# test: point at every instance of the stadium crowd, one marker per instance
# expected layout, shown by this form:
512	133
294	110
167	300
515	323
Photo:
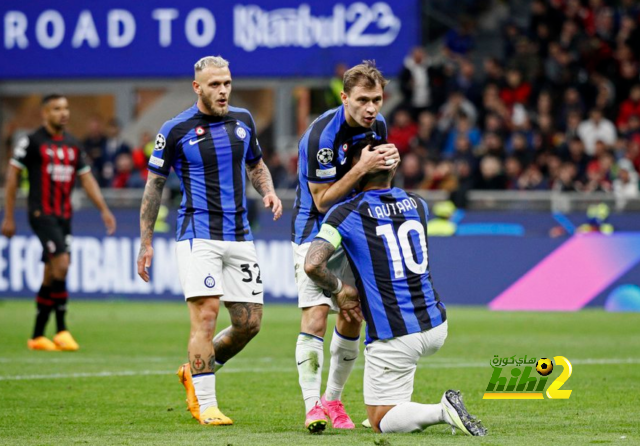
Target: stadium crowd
560	111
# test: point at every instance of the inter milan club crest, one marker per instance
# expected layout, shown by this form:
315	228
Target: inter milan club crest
241	133
209	282
199	131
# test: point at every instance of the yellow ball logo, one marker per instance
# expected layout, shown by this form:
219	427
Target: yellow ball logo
544	366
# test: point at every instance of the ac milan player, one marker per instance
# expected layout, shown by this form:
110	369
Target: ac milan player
53	159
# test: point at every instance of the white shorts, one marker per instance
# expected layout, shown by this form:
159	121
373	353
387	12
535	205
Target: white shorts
390	365
218	268
310	294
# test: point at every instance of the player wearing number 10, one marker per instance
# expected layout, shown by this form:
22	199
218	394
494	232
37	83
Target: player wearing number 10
209	146
383	232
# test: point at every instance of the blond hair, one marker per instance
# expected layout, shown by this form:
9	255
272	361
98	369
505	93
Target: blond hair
365	74
210	61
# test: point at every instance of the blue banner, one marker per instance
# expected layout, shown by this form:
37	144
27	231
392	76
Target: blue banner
471	270
164	38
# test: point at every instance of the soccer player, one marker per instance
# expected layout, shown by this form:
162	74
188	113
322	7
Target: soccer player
53	159
384	233
210	146
326	177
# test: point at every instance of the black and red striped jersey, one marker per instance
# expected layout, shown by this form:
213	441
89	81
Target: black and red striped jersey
53	163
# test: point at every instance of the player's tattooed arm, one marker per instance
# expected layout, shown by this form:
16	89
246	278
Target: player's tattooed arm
315	264
261	179
151	200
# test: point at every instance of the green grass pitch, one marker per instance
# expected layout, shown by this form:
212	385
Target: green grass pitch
121	389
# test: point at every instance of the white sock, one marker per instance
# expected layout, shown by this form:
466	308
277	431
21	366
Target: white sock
411	417
344	352
205	386
309	357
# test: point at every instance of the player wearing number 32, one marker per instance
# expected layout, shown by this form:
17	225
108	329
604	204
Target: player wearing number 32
383	231
209	146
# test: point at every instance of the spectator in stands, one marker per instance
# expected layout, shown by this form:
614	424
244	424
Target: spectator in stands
94	143
491	175
493	73
443	178
114	146
459	41
532	179
576	155
402	131
125	174
513	170
412	171
455	107
463	127
567	180
630	107
596	128
520	149
278	171
626	184
517	91
415	81
427	142
464	82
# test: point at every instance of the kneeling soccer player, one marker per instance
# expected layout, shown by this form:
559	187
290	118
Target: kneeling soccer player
384	233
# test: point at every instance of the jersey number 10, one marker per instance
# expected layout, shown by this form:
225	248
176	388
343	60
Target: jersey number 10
404	250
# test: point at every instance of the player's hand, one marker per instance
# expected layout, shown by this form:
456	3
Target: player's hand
144	261
349	303
109	221
272	201
383	157
8	227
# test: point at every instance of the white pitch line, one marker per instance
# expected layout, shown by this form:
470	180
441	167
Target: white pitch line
588	361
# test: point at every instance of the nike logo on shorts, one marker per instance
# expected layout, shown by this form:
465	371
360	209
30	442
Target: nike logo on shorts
302	362
350	359
254	293
192	142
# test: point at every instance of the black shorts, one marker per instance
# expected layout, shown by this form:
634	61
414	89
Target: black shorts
54	234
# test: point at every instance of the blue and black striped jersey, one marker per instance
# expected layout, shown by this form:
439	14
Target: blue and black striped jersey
323	153
209	153
384	233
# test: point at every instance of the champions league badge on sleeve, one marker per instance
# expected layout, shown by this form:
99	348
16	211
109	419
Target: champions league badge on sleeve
325	156
161	142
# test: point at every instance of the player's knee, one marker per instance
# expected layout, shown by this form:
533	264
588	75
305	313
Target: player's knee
60	267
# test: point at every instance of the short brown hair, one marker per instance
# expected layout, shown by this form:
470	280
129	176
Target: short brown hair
365	74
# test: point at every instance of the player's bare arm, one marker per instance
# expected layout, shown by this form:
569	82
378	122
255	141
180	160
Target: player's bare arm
315	265
262	182
11	186
151	200
325	195
245	324
90	186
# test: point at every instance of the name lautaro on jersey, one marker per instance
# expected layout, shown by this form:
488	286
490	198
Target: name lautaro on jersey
389	209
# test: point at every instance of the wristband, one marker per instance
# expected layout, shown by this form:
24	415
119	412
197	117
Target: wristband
338	287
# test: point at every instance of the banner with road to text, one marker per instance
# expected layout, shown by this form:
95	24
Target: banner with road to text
164	38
